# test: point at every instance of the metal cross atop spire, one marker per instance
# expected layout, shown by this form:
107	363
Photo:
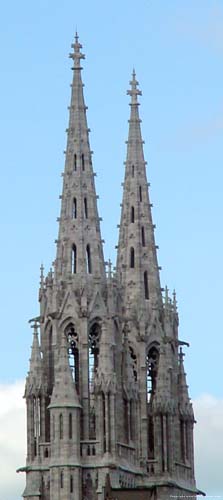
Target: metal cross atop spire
77	55
134	91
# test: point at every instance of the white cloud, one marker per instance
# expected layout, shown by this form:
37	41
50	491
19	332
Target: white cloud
208	442
12	440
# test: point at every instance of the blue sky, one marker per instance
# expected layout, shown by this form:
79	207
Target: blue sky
176	48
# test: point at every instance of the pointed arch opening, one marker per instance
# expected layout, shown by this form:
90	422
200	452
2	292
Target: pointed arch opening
133	170
83	161
85	208
146	285
132	257
61	479
143	236
61	426
132	214
73	352
152	361
75	162
93	357
88	259
74	208
70	426
140	193
74	259
71	484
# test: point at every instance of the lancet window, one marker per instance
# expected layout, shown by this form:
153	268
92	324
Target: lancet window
133	170
143	236
140	193
75	162
132	257
61	426
132	214
74	208
146	286
85	208
82	162
88	259
73	352
74	259
70	426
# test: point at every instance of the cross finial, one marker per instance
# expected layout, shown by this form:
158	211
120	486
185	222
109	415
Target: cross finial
77	55
134	91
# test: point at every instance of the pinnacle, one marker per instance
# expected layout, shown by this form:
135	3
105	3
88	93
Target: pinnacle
77	54
134	91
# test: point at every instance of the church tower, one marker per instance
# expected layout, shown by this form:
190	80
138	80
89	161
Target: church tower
108	410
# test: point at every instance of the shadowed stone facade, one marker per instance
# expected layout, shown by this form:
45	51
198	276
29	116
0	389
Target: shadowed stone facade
108	410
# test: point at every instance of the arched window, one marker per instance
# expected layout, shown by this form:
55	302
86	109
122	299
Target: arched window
88	259
61	479
93	356
133	170
73	352
132	214
85	208
74	208
143	236
61	426
71	484
132	257
146	286
70	426
82	161
75	162
140	193
152	361
74	259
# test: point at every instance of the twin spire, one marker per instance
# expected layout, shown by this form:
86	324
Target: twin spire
79	245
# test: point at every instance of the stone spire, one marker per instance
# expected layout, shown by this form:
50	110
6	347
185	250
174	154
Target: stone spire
137	265
79	246
64	391
34	377
185	406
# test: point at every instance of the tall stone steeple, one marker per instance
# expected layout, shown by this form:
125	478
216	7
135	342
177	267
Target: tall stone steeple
108	409
79	246
137	266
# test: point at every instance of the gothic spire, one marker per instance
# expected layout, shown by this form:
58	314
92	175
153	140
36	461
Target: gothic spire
185	405
34	377
79	246
137	265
